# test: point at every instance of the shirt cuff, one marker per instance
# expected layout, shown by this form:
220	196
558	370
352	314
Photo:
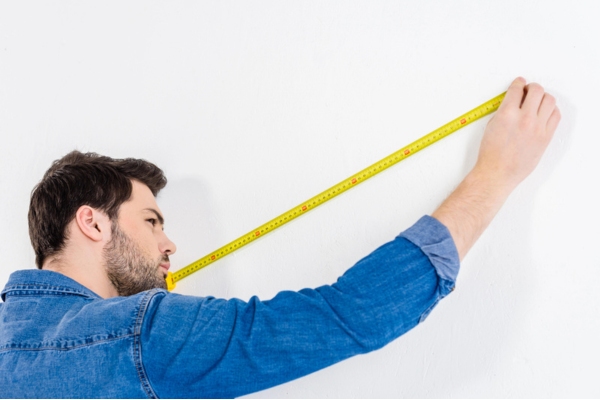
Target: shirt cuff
435	241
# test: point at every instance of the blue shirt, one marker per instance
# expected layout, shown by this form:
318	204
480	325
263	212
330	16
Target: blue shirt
59	339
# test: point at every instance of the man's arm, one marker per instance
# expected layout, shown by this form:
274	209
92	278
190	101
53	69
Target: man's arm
513	143
206	347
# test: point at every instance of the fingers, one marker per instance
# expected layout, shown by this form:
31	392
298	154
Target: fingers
532	99
514	94
547	107
542	104
534	93
553	121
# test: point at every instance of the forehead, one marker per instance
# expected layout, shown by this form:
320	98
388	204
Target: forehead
141	197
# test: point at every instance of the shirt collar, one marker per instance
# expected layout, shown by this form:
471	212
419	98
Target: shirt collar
35	280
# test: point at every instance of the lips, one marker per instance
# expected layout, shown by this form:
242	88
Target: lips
165	268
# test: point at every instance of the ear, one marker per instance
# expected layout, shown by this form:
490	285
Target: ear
93	223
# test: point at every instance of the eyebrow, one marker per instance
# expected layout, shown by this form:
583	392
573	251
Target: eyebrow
158	216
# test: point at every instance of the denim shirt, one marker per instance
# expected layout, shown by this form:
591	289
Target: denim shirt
59	339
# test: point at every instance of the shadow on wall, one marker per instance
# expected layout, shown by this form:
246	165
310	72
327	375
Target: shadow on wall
496	289
193	226
498	301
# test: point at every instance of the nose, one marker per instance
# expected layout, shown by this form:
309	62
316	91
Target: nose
167	246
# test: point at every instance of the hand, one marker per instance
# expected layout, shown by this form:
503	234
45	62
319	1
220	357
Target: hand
513	143
517	135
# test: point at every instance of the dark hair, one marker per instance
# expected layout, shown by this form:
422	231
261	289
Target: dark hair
80	179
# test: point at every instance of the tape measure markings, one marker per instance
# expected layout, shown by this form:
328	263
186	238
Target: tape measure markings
372	170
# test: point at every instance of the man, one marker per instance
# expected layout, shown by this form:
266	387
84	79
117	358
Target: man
95	320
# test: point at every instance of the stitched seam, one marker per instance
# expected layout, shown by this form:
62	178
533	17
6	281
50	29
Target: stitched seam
47	348
44	288
137	346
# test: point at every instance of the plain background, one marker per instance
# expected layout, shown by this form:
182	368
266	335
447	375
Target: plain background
253	107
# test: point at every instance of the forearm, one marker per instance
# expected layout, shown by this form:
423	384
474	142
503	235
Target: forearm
228	348
514	140
470	208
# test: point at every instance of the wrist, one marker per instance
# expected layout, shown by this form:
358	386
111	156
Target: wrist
491	182
471	207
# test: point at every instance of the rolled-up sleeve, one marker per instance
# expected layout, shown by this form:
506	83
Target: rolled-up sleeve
435	241
207	347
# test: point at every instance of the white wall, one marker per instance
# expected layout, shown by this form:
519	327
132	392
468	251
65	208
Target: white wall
253	107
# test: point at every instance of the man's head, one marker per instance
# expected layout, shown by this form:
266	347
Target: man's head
109	204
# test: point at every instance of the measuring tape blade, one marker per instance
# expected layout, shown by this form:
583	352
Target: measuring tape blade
372	170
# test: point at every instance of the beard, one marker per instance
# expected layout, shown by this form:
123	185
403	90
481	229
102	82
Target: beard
128	268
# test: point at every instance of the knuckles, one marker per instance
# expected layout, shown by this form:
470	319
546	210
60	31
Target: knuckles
551	100
535	88
528	122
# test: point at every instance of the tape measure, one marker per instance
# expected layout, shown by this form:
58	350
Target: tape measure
440	133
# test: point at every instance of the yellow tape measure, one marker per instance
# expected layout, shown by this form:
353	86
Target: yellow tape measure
440	133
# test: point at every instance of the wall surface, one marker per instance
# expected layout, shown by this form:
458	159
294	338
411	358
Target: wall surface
253	107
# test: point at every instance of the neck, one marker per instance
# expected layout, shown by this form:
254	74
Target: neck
90	275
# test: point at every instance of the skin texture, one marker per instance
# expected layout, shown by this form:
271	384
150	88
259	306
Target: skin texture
513	143
131	255
129	268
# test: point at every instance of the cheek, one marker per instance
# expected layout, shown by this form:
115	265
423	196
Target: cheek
146	241
149	244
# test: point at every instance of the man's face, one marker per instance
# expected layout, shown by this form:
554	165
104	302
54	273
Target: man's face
137	256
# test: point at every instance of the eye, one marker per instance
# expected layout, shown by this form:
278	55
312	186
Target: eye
152	221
